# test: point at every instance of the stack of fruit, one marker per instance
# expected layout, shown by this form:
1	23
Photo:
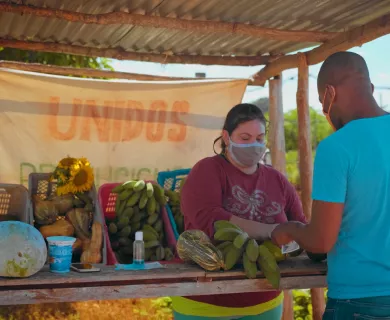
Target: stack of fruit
138	207
233	247
174	205
237	247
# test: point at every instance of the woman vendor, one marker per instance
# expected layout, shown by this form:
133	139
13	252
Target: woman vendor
233	186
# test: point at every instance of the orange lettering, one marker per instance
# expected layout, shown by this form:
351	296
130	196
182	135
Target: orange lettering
178	134
102	122
154	132
118	119
52	124
134	117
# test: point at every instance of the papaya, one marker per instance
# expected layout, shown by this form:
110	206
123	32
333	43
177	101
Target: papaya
194	245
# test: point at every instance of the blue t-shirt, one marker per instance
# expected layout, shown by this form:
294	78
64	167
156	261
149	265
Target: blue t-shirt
352	166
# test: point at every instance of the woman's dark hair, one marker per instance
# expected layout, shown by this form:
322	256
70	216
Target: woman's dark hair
240	113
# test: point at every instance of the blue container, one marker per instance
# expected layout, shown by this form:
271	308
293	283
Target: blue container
170	180
60	253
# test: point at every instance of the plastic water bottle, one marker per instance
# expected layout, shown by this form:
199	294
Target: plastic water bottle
139	248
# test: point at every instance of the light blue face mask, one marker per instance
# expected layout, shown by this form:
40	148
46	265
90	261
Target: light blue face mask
246	154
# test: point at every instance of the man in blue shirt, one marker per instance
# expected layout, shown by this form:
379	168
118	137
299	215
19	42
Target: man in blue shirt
351	194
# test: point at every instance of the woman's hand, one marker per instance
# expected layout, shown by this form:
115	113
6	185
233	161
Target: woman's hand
255	230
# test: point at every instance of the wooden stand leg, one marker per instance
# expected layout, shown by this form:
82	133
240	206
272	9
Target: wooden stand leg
288	306
306	163
318	303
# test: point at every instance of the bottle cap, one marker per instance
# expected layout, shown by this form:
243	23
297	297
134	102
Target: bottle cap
139	236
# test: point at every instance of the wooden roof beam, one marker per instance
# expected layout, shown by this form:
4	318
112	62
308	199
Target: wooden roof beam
345	41
120	54
171	23
92	73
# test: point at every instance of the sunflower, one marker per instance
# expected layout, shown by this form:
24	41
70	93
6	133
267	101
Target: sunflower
81	178
66	163
63	189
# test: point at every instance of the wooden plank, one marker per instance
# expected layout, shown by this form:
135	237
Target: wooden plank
344	41
120	54
107	274
113	292
306	162
298	266
199	26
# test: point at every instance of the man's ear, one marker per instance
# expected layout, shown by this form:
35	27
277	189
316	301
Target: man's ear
372	88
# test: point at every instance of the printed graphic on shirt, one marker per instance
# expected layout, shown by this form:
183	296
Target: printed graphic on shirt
257	205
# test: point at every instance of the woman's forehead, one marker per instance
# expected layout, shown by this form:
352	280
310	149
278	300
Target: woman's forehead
253	127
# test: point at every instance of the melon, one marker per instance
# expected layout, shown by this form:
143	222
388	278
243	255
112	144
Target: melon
23	250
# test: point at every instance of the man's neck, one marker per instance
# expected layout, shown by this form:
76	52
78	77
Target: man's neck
367	109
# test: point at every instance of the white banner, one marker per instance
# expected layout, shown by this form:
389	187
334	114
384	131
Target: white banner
126	129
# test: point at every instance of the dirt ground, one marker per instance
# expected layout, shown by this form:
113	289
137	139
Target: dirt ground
134	309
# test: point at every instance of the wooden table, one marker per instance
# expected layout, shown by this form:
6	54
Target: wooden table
172	280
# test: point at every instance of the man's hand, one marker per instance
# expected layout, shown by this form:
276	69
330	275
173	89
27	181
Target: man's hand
280	234
283	233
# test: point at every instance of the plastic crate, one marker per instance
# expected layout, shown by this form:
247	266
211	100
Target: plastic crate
40	185
107	201
14	200
170	180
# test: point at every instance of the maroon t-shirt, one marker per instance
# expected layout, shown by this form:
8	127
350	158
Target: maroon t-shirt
216	190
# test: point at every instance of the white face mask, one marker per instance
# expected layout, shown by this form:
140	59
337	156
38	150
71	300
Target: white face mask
246	154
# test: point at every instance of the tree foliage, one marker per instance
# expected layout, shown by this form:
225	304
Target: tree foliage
320	128
58	59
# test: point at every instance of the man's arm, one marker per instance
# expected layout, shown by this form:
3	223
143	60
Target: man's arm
320	235
331	170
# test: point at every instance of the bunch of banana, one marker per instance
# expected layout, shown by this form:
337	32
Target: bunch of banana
174	204
237	247
137	208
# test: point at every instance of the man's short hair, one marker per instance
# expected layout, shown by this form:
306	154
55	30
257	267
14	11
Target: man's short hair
340	66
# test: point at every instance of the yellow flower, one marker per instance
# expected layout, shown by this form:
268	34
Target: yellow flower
81	179
66	163
62	190
84	161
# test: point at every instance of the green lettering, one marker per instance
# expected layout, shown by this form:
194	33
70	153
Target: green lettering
142	170
24	176
121	174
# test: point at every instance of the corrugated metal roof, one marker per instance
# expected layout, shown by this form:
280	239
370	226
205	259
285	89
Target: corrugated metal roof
310	15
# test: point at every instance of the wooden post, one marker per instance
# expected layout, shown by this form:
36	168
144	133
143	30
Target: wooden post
278	157
276	127
306	163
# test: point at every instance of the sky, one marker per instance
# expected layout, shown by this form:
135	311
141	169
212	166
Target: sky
376	54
